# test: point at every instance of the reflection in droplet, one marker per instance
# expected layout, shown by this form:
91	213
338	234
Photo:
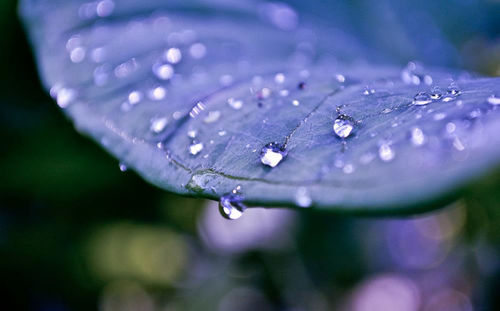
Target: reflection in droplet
385	152
343	126
158	125
302	197
272	154
295	102
235	103
195	148
231	206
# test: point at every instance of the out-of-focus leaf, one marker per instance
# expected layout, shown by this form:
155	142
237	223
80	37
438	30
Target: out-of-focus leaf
188	93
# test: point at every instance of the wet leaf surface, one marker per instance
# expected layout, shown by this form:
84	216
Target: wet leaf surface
200	99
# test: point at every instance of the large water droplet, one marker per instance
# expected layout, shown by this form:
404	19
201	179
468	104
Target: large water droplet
231	206
343	126
272	154
385	152
421	99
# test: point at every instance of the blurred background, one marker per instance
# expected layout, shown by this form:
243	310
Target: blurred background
76	233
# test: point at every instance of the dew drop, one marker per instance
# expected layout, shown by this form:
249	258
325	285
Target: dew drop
417	137
173	55
343	126
421	99
234	103
385	152
494	100
302	197
195	148
272	154
158	125
231	206
192	133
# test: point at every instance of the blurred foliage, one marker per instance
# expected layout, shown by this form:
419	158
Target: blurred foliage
78	234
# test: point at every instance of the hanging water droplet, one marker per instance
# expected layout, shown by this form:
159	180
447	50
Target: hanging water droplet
65	96
427	80
234	103
386	110
385	152
343	126
302	197
122	167
421	99
272	154
494	100
195	148
231	206
453	90
264	93
417	137
158	125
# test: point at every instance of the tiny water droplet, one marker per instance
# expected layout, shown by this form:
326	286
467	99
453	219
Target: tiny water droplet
122	167
279	78
134	97
302	197
427	80
157	93
417	137
295	102
340	78
450	127
421	99
158	125
343	126
231	206
195	148
385	152
192	133
453	90
234	103
272	154
387	110
494	100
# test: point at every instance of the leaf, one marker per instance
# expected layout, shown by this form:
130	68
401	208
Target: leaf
188	94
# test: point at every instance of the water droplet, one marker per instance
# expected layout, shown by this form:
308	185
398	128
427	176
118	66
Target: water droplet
163	71
340	78
494	100
417	137
122	167
173	55
235	104
213	116
158	93
231	206
302	197
295	102
272	154
421	99
453	90
158	125
192	133
134	97
343	126
385	152
195	148
77	55
279	78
